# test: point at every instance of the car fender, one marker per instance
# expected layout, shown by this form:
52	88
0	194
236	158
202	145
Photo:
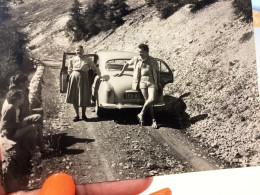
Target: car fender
102	91
95	87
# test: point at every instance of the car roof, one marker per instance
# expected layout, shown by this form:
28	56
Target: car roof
108	55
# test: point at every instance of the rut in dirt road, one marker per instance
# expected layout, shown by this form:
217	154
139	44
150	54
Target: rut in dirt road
185	150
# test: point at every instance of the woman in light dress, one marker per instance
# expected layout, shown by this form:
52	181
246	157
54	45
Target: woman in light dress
79	91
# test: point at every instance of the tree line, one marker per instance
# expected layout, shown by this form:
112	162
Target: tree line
166	8
12	46
103	15
97	16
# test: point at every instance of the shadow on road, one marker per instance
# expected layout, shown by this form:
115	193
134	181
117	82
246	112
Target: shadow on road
124	116
60	143
97	119
173	115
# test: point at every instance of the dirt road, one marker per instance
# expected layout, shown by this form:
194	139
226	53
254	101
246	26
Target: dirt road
113	148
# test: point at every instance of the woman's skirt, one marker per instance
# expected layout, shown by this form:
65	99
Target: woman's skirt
78	92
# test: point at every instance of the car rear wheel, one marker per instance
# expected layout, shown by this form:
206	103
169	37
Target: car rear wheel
99	111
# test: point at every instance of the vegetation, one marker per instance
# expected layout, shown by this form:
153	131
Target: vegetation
49	99
12	46
166	8
243	8
104	15
98	16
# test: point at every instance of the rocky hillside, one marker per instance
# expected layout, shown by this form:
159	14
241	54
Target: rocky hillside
213	55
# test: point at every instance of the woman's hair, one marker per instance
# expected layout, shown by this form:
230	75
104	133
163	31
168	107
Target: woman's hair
13	95
17	79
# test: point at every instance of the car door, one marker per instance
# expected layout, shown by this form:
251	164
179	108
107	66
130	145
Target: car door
166	74
64	77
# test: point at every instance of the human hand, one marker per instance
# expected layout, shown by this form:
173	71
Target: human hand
118	74
126	187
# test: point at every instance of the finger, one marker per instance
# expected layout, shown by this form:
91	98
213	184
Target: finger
59	183
126	187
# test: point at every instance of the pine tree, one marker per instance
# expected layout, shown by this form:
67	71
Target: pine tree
98	16
120	7
75	24
117	10
12	47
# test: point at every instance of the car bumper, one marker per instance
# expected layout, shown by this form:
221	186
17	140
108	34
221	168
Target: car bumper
123	106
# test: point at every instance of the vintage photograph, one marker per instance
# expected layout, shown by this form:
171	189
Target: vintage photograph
108	90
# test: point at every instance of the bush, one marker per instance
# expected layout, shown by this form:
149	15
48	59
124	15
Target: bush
96	17
12	50
49	97
118	9
198	5
243	8
166	7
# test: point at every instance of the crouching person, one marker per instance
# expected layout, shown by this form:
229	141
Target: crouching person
18	139
13	128
31	116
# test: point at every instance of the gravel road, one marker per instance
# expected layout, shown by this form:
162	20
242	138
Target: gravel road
113	148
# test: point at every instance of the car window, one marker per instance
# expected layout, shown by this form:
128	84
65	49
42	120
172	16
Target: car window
117	64
162	67
97	62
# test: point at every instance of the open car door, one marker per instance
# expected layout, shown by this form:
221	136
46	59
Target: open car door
166	74
64	77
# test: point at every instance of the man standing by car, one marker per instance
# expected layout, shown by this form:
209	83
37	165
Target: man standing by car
146	77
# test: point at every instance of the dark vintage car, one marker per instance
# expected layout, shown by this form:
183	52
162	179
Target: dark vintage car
110	92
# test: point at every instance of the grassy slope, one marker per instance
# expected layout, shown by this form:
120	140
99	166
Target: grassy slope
213	55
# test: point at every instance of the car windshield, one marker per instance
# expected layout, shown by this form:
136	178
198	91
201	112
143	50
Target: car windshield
117	64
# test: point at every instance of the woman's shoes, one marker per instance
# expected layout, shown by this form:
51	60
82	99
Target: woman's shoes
76	118
140	119
84	118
